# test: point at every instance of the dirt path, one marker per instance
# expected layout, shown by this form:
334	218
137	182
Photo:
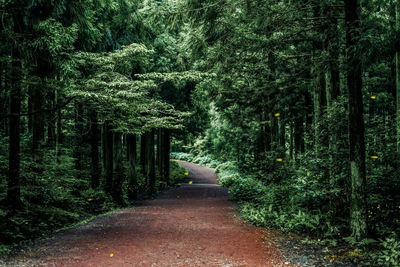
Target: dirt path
193	225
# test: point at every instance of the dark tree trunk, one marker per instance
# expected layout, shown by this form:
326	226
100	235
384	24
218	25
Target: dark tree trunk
150	163
30	97
94	151
397	78
356	122
166	154
13	181
59	137
132	173
117	169
282	133
143	162
319	97
274	131
78	151
159	157
260	151
51	119
37	123
298	137
108	148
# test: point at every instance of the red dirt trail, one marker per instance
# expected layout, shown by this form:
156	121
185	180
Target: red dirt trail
192	225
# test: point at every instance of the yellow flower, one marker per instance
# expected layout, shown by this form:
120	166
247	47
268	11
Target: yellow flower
373	157
190	182
160	182
89	199
279	159
111	255
26	222
277	114
186	173
60	187
373	97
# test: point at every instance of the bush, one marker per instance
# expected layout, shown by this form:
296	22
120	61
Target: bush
390	254
177	173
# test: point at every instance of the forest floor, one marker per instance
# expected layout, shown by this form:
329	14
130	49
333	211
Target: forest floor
191	225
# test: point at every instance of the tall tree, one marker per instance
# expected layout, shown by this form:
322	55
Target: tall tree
13	182
358	207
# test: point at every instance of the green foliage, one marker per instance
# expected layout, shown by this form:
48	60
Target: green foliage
390	253
52	199
177	173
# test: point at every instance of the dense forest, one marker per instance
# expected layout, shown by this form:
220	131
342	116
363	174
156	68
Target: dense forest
296	103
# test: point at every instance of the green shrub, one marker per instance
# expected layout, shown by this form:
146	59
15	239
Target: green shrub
177	173
390	253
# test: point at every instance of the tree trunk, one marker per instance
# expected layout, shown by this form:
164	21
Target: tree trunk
143	153
150	163
298	137
159	158
78	151
94	151
51	119
319	97
13	181
166	154
117	169
132	174
108	148
59	137
282	133
37	123
397	62
358	209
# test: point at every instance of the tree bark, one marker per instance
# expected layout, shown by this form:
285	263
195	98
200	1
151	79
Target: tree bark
59	137
397	62
160	154
94	151
358	206
132	172
118	171
298	137
143	153
150	163
51	119
78	150
13	181
319	97
108	160
166	154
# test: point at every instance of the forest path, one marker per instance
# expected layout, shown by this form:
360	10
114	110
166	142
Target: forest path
192	225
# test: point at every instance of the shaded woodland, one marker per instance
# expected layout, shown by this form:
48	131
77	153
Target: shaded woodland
296	103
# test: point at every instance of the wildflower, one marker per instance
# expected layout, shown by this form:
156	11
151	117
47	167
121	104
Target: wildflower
373	157
279	159
89	199
190	182
160	182
26	222
277	114
186	173
373	97
111	255
60	187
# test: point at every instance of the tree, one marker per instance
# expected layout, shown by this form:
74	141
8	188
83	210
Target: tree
358	208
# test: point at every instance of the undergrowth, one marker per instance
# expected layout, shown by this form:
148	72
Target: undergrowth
55	197
306	203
